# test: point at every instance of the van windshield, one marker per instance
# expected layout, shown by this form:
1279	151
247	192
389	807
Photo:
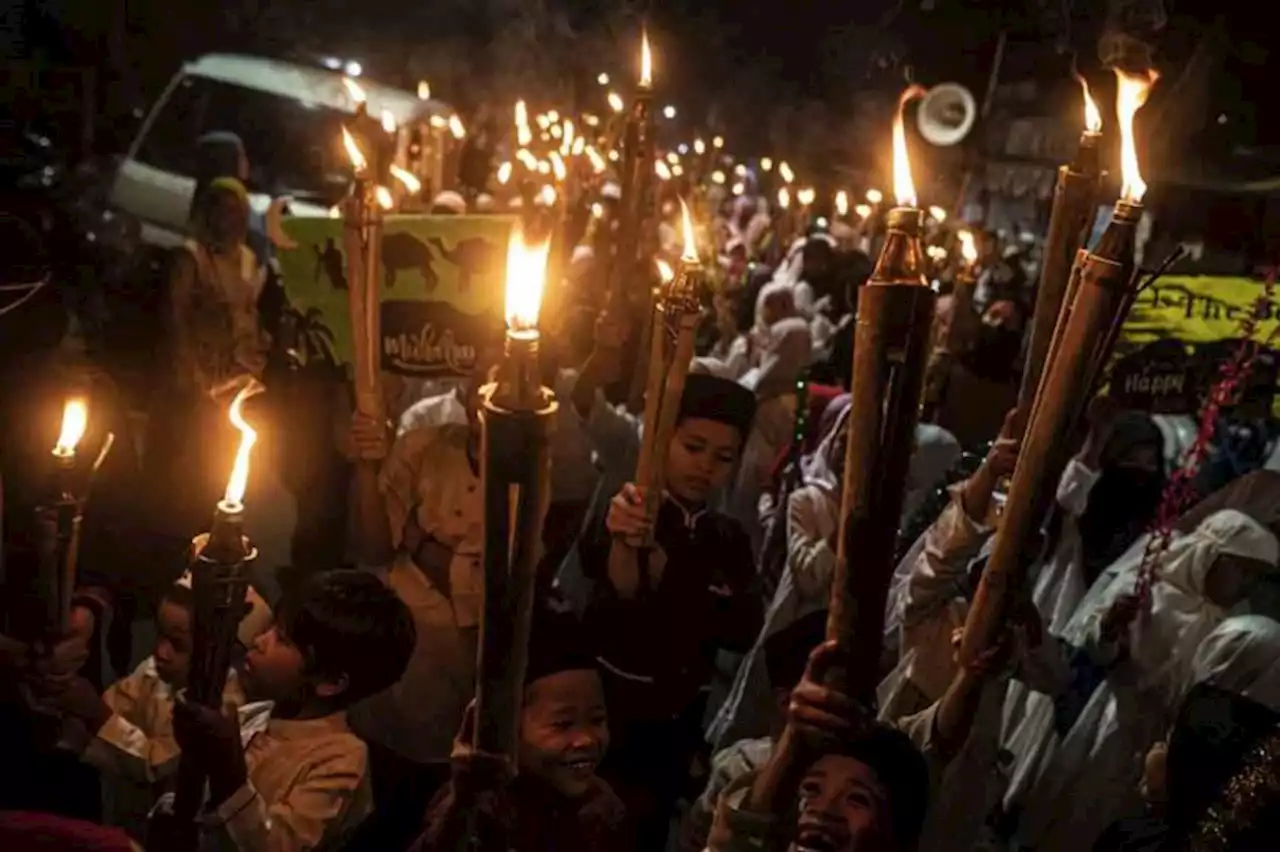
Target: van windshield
294	148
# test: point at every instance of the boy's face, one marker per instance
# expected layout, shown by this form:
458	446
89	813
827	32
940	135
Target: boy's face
701	458
564	731
274	669
843	808
173	643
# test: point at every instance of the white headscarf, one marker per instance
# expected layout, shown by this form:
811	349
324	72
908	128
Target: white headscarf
1243	656
1181	616
823	469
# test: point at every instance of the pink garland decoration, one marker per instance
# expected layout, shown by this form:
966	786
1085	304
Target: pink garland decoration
1178	492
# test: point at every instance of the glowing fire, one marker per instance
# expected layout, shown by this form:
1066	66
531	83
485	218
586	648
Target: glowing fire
646	61
567	144
842	203
408	178
937	213
526	274
598	164
504	173
1092	115
354	90
75	419
358	162
665	272
615	102
233	497
388	121
424	90
875	196
662	170
904	188
1131	93
690	253
968	246
699	147
547	195
785	171
523	134
456	127
806	196
784	198
863	210
385	201
558	166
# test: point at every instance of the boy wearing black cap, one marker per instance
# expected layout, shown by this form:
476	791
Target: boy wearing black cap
556	801
658	616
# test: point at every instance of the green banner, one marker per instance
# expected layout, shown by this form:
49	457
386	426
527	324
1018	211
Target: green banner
441	293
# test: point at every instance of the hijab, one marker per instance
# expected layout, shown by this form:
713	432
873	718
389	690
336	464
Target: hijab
824	469
1180	615
1242	655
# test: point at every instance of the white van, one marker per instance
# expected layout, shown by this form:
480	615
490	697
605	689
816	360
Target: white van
289	117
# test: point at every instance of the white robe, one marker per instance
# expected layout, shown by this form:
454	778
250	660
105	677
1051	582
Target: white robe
1071	788
1242	655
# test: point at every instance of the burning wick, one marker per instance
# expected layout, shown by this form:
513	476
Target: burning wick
358	162
665	272
407	178
689	257
968	247
904	188
526	273
1131	93
75	419
1092	116
385	201
233	498
646	62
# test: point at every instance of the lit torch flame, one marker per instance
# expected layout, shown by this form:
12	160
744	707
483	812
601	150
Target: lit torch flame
785	170
75	419
557	165
526	274
233	497
566	145
646	61
784	198
1131	93
354	90
842	203
665	272
968	246
863	210
456	127
424	90
358	162
406	177
385	201
615	102
662	170
806	196
904	188
388	121
690	253
1092	115
598	164
504	173
523	134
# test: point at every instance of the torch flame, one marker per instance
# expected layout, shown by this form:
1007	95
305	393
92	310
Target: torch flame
408	178
665	271
424	90
784	198
75	419
504	173
388	121
597	162
557	165
234	495
806	196
354	90
522	114
385	201
358	162
456	127
785	170
615	102
699	147
566	146
662	170
863	210
1131	93
526	273
904	188
1092	115
646	61
968	246
842	203
690	253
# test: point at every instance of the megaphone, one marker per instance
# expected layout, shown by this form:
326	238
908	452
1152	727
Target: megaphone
947	114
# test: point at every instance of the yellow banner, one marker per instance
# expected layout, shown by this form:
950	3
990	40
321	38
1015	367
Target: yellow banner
1196	309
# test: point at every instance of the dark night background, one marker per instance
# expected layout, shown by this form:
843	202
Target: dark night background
805	79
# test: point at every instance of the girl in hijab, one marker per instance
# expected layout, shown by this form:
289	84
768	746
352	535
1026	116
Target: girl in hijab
1075	773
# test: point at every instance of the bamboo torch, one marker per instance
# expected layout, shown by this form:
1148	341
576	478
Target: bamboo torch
637	177
895	314
675	321
59	518
516	421
362	245
1102	292
1071	218
221	559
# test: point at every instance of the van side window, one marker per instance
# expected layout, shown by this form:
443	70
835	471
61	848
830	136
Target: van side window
170	142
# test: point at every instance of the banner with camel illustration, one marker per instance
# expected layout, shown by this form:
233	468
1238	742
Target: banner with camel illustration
442	290
1179	332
